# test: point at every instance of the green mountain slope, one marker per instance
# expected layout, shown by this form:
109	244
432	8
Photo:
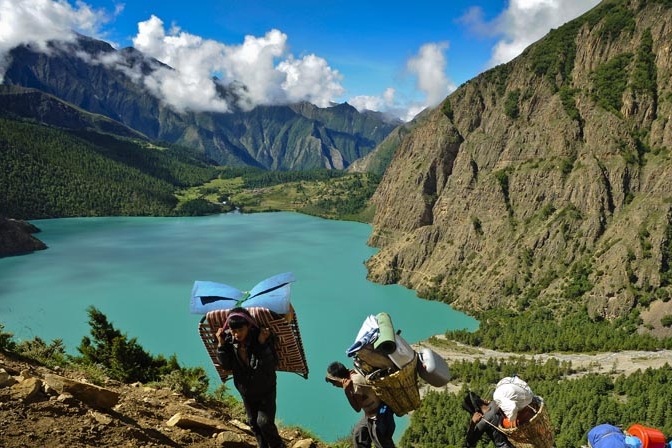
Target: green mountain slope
54	173
284	137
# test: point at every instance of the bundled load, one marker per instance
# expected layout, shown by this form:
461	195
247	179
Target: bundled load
391	366
268	302
527	424
606	435
610	436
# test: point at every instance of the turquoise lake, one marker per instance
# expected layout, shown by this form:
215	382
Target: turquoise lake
140	271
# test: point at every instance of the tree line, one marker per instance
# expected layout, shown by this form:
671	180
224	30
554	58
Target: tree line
49	173
575	403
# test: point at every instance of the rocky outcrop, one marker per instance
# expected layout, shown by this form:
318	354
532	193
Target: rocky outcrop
45	407
16	238
539	182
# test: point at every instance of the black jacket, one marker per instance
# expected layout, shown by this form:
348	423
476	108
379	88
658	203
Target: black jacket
257	377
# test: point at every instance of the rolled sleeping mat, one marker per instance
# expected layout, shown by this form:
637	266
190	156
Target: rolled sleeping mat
386	341
277	300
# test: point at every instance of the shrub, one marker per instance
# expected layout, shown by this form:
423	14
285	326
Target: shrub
48	354
190	382
666	321
511	108
7	344
124	359
610	81
447	109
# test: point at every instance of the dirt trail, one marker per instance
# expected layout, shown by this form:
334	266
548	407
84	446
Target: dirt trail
612	363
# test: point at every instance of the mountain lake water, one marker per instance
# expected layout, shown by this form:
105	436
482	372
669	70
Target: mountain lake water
139	272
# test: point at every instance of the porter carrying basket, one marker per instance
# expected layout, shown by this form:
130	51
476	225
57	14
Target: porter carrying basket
535	433
399	390
286	336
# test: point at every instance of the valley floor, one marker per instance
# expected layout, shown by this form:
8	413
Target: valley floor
611	363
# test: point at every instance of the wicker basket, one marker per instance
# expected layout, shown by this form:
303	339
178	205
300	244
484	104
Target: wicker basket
399	390
536	433
285	328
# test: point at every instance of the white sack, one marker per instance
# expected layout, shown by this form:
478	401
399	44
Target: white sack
511	395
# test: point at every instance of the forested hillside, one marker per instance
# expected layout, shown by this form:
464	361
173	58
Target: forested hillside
81	73
49	173
575	402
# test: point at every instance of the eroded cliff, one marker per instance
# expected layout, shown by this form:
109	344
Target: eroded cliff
544	179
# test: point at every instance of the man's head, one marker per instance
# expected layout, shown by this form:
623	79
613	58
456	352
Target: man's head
473	403
336	372
239	322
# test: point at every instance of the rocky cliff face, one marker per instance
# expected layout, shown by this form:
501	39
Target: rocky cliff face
16	238
545	179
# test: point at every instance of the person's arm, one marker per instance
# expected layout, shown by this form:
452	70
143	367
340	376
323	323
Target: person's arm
225	352
474	432
262	355
349	389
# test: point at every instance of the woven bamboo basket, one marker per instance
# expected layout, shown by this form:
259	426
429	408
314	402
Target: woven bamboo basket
399	390
285	328
536	433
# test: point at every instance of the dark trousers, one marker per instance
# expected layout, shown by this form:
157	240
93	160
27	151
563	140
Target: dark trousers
377	432
261	418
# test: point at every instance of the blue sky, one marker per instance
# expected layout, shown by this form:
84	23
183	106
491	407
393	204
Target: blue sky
388	56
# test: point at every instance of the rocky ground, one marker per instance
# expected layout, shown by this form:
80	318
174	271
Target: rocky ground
43	408
47	408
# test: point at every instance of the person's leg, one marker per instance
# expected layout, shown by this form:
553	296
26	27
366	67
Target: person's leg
252	411
361	435
266	421
383	428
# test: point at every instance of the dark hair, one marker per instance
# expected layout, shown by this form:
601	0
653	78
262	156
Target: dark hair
338	370
236	322
472	402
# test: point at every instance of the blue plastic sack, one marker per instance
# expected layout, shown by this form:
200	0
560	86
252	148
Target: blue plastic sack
606	436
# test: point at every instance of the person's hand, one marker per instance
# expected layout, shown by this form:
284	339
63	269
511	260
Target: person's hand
222	336
476	417
264	334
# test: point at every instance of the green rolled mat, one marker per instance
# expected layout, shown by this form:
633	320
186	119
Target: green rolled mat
385	342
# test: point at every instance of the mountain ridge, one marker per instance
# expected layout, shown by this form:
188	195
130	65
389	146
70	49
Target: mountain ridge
95	77
540	181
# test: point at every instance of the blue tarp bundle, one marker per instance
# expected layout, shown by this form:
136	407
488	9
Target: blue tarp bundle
272	293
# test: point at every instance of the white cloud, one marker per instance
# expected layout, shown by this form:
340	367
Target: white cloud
524	22
370	102
310	79
260	68
428	67
257	64
36	22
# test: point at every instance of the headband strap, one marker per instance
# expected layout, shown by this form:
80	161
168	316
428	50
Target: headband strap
251	321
